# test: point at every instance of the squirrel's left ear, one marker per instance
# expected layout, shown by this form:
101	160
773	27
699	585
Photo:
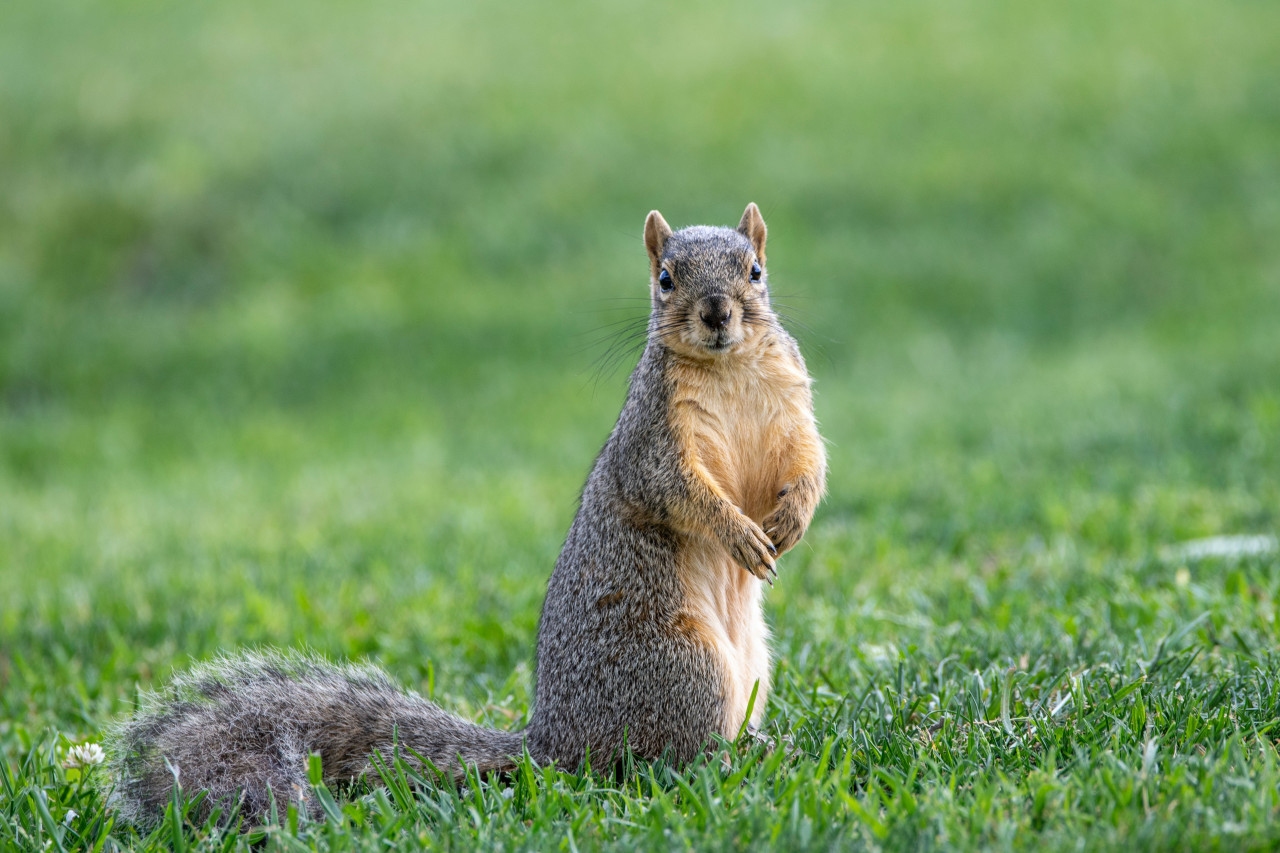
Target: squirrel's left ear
752	227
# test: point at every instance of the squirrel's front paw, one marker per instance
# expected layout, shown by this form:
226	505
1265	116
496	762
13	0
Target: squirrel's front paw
751	549
784	526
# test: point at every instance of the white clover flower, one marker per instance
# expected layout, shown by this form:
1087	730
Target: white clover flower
84	755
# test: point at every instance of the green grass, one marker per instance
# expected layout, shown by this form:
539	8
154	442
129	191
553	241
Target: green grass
300	314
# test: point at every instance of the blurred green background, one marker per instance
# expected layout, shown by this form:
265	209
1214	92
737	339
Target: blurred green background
302	305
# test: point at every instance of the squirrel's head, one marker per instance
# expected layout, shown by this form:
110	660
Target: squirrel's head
709	286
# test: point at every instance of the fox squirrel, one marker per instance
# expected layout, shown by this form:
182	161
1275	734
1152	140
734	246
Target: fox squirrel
652	636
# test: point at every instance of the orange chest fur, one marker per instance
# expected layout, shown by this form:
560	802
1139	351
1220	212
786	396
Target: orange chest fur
740	421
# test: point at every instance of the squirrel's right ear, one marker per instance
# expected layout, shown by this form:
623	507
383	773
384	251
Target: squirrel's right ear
656	234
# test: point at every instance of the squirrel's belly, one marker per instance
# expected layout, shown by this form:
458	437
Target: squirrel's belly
725	601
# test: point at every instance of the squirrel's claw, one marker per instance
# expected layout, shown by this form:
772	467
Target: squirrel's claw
752	549
784	531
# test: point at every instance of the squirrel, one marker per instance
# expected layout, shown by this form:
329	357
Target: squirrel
652	637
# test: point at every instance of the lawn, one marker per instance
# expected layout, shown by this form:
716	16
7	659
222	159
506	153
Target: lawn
306	315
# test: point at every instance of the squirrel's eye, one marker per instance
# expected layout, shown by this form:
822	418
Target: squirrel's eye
665	282
755	271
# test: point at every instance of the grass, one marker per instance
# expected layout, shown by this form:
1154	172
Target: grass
300	314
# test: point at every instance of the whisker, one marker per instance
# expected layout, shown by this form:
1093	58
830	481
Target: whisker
623	339
773	294
636	325
607	365
629	321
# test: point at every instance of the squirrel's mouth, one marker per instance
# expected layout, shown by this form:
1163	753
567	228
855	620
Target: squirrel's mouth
721	342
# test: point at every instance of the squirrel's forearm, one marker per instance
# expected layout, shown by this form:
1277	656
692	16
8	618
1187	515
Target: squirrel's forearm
807	481
668	482
802	489
701	505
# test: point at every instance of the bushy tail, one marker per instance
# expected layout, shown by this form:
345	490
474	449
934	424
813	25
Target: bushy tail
241	727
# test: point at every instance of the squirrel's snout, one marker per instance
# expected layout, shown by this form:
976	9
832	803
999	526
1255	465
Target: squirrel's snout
716	312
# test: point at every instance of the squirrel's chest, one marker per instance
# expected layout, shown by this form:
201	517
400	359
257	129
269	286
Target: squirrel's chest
742	429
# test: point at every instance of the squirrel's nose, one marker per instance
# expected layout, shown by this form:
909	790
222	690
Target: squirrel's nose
717	313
